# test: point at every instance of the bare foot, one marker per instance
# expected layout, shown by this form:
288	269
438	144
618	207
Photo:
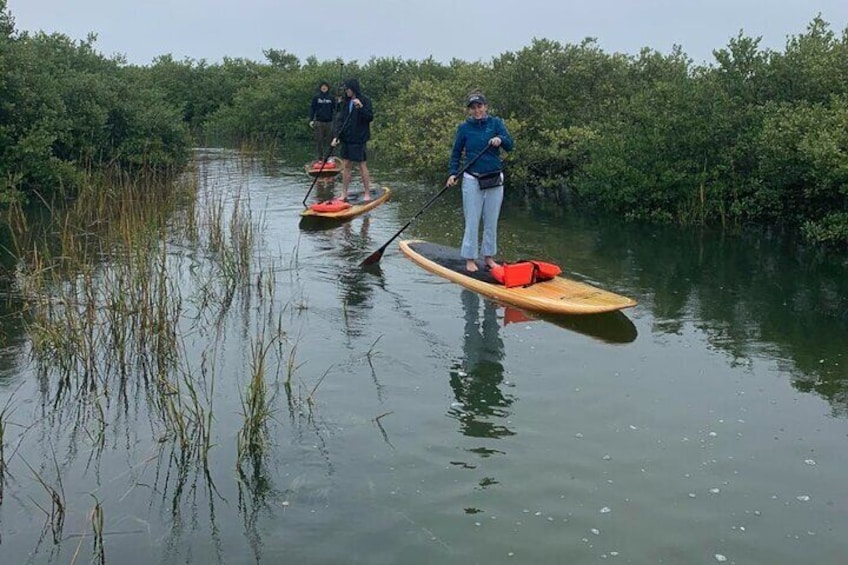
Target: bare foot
367	196
490	262
471	265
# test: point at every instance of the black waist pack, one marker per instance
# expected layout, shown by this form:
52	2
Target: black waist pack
488	180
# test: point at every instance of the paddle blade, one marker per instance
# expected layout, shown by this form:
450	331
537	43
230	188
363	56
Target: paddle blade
373	258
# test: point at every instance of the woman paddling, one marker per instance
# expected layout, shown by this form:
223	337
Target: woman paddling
482	183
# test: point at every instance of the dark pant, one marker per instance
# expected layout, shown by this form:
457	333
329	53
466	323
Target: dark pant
323	137
354	152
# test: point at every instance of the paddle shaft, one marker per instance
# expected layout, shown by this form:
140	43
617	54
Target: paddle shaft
377	255
323	163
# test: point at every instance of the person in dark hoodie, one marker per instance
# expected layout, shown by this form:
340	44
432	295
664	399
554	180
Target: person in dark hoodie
321	119
482	183
353	131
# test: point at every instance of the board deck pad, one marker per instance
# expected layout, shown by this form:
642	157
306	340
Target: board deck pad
559	295
449	258
358	198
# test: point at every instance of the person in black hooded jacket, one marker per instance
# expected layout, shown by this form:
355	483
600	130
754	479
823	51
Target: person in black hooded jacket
353	130
321	118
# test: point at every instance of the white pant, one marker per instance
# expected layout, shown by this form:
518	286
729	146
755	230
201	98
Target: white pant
478	203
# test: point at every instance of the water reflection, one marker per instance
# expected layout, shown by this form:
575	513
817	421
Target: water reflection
357	285
752	294
325	189
610	327
741	298
12	336
345	242
477	378
256	492
184	487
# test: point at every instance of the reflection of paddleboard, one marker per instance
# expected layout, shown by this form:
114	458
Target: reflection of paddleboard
556	296
609	327
357	206
515	316
331	168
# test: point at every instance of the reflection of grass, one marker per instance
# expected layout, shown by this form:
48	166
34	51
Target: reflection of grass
4	425
96	519
55	517
97	531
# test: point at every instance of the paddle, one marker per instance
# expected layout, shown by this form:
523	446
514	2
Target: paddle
377	255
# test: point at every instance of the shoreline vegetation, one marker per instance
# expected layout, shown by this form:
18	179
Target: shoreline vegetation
756	137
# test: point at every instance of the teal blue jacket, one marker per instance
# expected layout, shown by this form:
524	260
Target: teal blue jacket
472	137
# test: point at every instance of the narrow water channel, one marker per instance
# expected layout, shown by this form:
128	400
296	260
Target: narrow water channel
416	422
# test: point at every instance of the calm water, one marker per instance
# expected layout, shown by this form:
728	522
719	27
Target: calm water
427	425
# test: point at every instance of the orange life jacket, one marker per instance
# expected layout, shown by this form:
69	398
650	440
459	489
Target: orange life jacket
524	273
329	165
335	205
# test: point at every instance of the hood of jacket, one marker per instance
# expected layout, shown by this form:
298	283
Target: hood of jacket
353	84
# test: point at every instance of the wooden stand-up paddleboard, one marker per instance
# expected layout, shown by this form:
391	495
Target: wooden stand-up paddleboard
357	205
556	296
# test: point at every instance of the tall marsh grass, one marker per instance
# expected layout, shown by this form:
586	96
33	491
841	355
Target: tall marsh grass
127	298
104	306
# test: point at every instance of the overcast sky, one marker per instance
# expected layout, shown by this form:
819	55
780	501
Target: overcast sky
415	29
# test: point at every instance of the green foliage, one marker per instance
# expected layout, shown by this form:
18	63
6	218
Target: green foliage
199	88
272	108
418	131
272	111
550	85
812	68
831	230
67	113
281	59
545	164
757	136
386	79
146	132
7	22
803	159
647	158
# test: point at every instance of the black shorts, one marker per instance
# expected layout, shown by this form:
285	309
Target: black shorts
353	152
